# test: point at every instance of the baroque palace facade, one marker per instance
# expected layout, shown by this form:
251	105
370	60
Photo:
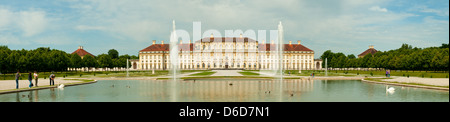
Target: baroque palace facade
227	53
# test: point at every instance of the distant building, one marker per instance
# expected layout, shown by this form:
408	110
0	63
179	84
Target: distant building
371	50
81	52
227	53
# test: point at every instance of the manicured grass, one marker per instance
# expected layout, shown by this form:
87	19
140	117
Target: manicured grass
227	77
206	73
246	73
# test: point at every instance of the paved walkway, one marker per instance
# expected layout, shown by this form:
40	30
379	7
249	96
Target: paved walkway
227	73
11	84
428	81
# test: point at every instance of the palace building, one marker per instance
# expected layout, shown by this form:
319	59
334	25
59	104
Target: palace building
227	53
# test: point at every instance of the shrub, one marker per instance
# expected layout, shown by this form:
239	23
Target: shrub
407	75
81	75
371	73
357	73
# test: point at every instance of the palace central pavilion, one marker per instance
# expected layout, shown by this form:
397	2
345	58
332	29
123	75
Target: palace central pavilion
227	53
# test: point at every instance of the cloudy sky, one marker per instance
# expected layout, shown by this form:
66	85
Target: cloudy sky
347	26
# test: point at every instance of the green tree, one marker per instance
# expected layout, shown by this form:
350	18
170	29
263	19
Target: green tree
3	61
329	55
89	61
105	61
13	60
75	61
351	56
58	60
114	54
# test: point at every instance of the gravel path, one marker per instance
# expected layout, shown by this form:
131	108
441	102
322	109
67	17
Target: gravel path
227	73
428	81
11	84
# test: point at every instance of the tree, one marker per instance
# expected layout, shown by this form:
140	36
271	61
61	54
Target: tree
3	61
351	56
114	54
58	60
444	46
105	61
329	55
75	61
89	61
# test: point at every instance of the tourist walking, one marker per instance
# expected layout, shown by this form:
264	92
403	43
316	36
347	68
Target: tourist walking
17	79
388	73
52	79
30	78
36	76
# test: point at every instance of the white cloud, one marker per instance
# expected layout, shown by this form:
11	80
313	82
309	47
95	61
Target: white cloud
378	8
5	16
85	27
32	22
28	23
439	12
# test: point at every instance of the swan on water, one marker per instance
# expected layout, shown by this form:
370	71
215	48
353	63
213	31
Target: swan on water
61	86
390	89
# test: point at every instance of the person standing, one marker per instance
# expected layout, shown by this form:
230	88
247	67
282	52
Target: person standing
17	79
30	78
36	76
388	73
52	79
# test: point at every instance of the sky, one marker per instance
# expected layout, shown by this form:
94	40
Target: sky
347	26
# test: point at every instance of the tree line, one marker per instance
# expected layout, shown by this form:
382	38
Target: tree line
404	58
45	60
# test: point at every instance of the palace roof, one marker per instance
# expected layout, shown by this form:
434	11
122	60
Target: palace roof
81	52
261	47
370	50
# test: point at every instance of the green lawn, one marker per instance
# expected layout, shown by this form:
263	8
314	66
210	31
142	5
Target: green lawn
205	73
247	73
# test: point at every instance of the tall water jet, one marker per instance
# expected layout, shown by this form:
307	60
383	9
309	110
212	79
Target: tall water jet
280	48
174	61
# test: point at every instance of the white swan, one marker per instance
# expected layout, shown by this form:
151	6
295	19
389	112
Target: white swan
61	86
390	89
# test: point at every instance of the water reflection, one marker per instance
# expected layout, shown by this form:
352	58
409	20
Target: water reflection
228	90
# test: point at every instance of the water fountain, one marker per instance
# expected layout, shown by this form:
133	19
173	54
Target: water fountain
174	65
280	48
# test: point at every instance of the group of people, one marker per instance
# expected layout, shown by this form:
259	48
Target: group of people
36	77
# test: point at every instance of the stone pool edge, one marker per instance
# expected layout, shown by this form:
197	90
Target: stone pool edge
47	87
407	85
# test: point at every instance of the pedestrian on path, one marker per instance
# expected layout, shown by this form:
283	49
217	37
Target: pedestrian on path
30	78
17	79
52	79
36	76
388	73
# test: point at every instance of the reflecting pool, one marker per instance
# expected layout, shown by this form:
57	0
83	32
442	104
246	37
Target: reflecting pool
229	90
